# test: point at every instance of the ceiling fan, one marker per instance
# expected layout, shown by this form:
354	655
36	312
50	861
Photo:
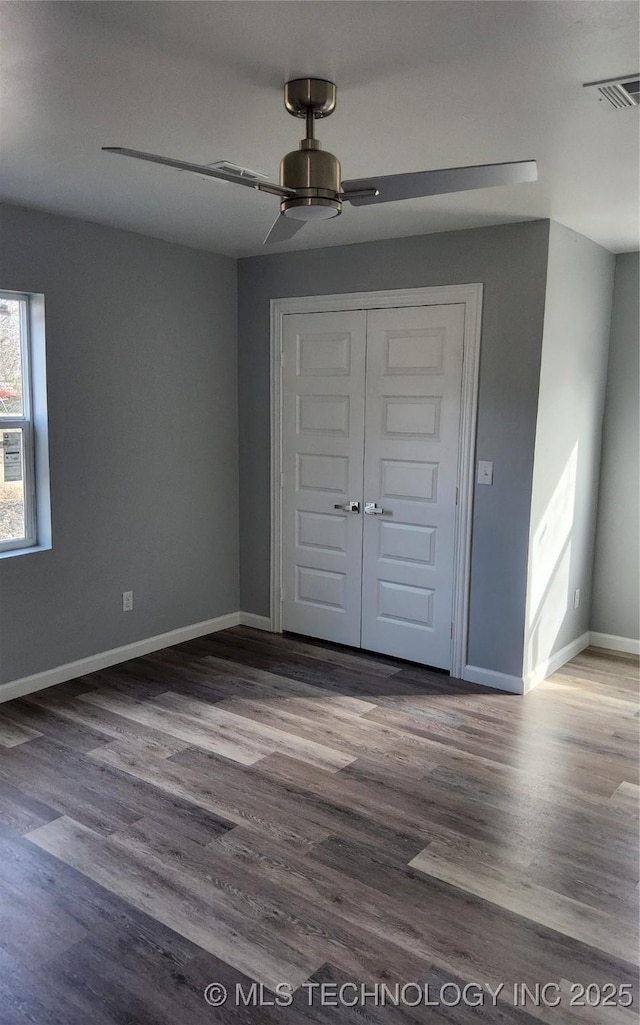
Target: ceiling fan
310	187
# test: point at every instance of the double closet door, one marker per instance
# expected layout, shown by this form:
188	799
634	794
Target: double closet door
371	411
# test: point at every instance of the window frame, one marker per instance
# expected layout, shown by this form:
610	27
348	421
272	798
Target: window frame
25	423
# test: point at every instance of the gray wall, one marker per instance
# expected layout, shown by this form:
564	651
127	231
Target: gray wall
142	386
573	377
615	593
511	262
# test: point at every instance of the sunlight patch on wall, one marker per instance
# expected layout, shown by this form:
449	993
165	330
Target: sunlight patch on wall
549	597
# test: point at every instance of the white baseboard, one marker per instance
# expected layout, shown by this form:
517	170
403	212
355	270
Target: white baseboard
550	665
257	622
489	678
626	644
104	659
472	674
523	684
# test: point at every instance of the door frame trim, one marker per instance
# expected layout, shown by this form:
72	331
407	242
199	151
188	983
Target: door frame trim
471	296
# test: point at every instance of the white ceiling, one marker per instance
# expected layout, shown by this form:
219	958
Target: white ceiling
420	85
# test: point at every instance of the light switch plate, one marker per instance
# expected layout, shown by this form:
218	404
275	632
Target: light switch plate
485	472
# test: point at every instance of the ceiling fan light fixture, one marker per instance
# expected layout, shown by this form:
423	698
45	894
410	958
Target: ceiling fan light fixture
313	209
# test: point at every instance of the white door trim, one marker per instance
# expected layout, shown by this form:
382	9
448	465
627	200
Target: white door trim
471	296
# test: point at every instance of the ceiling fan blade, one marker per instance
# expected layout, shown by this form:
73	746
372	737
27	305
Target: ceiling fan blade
417	184
283	228
210	172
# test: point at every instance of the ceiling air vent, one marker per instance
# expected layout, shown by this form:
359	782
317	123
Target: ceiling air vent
228	168
243	172
619	92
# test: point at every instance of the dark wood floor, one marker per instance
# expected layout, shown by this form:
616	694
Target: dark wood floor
251	808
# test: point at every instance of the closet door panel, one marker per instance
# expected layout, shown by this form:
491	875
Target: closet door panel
413	384
323	445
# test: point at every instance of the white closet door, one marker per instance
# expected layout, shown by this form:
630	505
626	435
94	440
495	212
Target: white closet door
413	378
323	443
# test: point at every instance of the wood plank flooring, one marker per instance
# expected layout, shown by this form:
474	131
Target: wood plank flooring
247	808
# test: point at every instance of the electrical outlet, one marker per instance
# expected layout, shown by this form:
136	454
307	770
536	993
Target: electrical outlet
127	601
576	598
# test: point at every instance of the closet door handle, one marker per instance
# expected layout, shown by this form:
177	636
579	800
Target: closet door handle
373	509
349	507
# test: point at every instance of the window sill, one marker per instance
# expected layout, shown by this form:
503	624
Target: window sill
24	551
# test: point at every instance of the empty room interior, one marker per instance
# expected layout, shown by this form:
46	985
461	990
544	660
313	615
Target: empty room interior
319	530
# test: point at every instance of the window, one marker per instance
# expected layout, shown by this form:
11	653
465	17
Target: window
18	506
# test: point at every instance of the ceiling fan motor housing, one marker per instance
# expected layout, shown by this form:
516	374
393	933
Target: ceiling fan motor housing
315	175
